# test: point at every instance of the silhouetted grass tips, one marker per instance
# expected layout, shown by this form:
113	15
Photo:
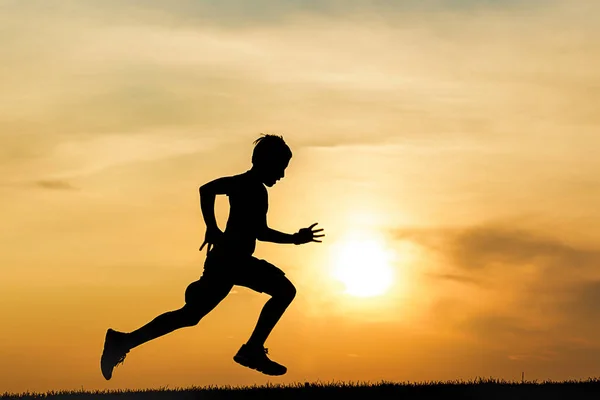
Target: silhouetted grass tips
475	389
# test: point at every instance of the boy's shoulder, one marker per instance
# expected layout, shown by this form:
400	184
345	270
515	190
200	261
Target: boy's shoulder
245	181
240	178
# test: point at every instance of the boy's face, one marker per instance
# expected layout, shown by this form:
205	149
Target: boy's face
274	172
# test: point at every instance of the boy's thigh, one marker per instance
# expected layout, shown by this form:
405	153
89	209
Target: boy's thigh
212	287
259	275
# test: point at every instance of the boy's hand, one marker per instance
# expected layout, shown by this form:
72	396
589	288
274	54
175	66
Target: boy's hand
212	237
306	235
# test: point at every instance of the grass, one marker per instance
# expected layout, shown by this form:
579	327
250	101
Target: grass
476	389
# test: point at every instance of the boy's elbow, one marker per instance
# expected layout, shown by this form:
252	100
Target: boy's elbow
204	189
263	234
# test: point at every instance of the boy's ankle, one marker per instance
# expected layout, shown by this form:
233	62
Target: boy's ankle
126	341
254	346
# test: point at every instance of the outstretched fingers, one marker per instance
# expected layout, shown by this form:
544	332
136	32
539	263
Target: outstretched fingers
310	228
314	238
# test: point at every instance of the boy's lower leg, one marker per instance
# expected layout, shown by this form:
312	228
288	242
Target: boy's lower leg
198	304
253	354
163	324
269	316
118	344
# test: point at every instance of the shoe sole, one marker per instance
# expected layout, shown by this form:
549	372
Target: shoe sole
243	361
108	374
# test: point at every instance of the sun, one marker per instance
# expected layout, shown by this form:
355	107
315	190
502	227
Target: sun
364	266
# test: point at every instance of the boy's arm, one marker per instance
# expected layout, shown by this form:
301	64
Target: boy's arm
304	235
271	235
208	193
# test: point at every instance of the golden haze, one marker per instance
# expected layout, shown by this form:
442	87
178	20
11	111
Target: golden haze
463	138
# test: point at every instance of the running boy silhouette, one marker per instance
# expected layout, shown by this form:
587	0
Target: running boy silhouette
229	262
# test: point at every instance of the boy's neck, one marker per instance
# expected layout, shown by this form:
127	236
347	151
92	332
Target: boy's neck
254	174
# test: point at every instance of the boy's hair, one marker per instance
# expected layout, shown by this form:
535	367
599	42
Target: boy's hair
269	148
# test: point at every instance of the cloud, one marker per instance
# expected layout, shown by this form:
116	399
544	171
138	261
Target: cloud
493	325
527	292
239	14
479	248
579	305
537	272
96	153
55	185
324	73
456	278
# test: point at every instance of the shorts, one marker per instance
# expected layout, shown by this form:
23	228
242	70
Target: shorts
223	271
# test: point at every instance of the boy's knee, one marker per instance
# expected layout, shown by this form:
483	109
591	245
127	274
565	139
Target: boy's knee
190	316
288	292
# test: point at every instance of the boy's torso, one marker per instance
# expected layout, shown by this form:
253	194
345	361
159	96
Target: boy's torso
248	201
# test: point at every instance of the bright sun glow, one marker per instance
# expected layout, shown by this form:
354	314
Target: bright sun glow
364	266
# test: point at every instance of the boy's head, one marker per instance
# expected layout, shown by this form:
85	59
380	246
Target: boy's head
270	158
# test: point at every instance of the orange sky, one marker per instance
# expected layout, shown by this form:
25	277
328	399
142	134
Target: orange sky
460	138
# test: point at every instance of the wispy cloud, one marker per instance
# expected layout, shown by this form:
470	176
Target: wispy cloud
533	290
480	248
55	185
137	73
456	278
